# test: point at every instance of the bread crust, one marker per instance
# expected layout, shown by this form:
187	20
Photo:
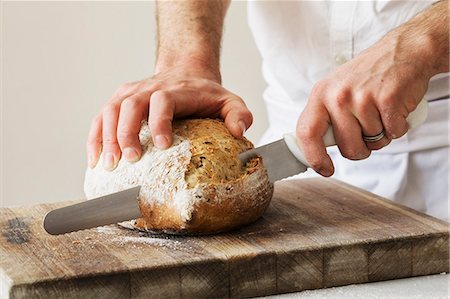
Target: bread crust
209	192
224	206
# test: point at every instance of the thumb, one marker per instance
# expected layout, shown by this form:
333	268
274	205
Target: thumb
237	117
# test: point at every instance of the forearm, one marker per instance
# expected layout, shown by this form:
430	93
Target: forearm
425	38
189	33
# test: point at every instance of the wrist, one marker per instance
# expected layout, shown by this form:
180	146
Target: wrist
421	49
194	64
425	39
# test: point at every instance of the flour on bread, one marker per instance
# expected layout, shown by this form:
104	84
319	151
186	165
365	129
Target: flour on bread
161	173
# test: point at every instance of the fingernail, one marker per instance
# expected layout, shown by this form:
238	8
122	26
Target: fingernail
326	172
243	127
109	162
130	154
161	141
363	154
91	161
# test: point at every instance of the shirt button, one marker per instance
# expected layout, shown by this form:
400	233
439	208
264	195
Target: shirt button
340	59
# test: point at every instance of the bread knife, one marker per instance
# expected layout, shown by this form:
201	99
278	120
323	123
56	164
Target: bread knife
283	158
104	210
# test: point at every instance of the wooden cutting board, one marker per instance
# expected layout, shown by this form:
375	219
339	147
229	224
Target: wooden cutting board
317	233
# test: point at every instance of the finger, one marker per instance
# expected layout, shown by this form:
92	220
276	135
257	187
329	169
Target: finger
162	109
371	125
111	149
237	117
94	141
132	111
394	122
348	134
311	127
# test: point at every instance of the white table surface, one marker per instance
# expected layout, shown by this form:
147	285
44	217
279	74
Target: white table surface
423	287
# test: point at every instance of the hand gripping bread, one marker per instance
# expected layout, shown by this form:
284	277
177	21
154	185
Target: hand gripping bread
197	186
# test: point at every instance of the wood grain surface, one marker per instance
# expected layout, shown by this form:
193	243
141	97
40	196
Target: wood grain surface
317	233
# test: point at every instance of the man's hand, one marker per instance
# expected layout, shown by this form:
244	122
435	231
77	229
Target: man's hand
375	91
187	83
175	93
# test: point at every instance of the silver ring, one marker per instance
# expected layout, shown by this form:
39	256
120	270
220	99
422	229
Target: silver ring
375	138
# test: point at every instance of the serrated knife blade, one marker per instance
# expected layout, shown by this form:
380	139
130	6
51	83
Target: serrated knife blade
277	158
104	210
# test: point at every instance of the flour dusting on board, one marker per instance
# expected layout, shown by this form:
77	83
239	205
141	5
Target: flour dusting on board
172	244
126	240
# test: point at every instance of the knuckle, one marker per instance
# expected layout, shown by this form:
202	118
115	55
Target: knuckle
141	85
203	83
387	101
160	95
238	102
308	128
130	103
395	133
109	140
318	88
410	106
306	132
110	107
364	100
395	125
343	98
123	89
163	119
239	99
158	121
182	84
125	134
155	85
352	153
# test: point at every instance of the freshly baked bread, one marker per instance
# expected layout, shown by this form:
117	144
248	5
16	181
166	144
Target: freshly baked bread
197	186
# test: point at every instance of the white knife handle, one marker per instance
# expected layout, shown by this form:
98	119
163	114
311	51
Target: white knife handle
414	119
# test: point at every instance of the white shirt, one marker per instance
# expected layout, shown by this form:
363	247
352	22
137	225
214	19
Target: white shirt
302	41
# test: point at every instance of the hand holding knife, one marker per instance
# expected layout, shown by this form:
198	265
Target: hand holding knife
283	158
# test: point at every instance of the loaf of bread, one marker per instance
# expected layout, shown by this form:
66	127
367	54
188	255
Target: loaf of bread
197	186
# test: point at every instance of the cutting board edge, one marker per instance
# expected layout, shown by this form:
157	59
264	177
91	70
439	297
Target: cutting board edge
123	279
365	244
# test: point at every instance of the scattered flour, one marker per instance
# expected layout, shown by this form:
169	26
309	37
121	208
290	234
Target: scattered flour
173	244
109	230
120	238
